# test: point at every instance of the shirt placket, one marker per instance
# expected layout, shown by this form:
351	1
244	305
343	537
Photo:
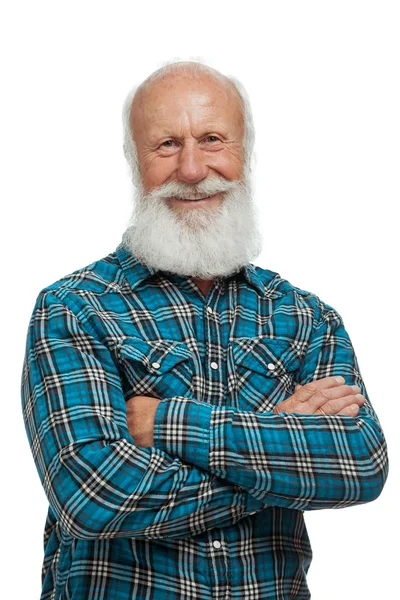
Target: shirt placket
213	342
219	557
215	390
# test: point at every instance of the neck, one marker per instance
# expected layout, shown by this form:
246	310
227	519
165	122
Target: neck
204	284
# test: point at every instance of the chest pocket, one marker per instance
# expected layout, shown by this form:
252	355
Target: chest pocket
158	368
264	372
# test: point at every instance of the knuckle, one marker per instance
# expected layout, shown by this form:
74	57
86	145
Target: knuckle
310	387
306	392
329	408
324	394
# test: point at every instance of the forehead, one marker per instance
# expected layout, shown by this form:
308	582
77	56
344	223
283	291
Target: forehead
178	102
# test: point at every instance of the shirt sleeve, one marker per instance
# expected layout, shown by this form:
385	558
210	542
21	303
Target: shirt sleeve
98	483
290	460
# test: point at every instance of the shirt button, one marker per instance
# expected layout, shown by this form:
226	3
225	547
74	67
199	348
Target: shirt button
210	310
155	365
217	544
214	365
271	366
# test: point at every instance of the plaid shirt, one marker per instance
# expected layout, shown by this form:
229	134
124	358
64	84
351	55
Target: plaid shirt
215	508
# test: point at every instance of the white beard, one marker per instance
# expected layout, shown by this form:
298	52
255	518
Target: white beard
203	242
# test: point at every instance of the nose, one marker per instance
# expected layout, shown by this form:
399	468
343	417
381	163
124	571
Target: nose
191	163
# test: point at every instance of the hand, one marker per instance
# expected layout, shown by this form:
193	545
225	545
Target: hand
326	396
140	412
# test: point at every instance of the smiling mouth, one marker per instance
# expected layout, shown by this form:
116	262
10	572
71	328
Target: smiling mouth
196	199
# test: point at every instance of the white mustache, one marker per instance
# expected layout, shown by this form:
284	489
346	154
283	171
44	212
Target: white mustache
185	191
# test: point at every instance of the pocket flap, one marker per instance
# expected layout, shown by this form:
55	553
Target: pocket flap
157	356
266	356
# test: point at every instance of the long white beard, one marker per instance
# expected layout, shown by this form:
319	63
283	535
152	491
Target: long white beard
203	242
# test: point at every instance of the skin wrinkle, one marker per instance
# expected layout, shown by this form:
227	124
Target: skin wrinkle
191	111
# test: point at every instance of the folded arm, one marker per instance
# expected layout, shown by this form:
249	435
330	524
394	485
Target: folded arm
97	481
298	461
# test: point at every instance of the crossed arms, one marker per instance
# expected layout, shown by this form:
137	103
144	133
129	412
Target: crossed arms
327	396
209	467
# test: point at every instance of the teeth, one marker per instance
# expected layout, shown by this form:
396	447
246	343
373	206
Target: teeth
195	198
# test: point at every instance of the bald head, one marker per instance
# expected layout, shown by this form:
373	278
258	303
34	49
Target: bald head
191	71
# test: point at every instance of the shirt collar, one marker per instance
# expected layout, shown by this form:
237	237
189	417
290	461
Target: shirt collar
136	272
253	278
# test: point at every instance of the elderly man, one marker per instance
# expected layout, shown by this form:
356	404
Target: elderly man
185	407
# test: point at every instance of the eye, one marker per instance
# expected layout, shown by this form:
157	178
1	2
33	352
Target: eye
212	138
167	143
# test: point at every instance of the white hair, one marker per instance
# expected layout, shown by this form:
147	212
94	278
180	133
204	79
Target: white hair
196	66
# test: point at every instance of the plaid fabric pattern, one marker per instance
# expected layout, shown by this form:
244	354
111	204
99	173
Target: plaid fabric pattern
215	508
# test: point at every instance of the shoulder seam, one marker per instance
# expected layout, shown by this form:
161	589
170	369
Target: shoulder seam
84	323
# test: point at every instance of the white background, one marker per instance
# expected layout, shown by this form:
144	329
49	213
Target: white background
323	78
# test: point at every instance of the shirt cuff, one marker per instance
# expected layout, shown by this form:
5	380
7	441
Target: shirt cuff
182	428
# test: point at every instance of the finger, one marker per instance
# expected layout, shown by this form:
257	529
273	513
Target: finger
333	407
328	382
322	396
339	392
312	387
350	411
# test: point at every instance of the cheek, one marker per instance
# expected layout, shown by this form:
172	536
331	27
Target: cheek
156	171
230	165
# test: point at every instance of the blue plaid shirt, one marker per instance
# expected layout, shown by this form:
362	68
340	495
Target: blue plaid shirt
215	508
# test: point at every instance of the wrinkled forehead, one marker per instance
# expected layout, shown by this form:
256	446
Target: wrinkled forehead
176	96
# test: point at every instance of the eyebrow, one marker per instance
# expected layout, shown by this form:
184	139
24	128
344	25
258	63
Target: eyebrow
154	139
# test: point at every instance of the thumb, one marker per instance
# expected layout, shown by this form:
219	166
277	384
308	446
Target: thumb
298	386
